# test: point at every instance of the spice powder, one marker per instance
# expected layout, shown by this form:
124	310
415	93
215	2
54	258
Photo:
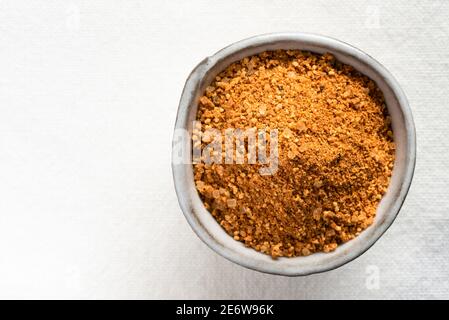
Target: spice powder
336	152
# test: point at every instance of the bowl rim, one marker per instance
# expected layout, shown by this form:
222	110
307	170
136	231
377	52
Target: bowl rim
192	84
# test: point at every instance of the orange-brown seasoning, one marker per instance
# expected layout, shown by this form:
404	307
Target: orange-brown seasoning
336	152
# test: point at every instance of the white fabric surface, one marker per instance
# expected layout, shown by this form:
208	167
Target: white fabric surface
88	97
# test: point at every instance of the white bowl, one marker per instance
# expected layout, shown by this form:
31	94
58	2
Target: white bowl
206	227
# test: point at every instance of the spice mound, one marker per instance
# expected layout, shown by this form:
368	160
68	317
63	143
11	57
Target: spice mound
335	152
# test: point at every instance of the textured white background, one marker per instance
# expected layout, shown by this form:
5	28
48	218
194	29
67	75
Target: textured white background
88	98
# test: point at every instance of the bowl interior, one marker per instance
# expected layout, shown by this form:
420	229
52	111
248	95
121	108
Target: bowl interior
206	226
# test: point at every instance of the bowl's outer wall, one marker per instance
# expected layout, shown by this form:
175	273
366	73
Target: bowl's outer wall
205	225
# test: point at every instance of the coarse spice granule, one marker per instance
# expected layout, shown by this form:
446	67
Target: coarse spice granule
336	152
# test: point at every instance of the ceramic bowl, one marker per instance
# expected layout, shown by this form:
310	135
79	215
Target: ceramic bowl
202	221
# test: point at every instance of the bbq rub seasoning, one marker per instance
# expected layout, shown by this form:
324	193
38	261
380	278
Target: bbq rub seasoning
334	152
